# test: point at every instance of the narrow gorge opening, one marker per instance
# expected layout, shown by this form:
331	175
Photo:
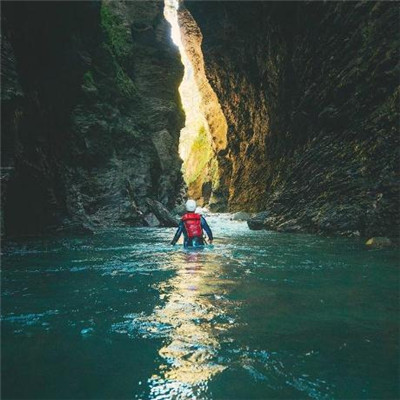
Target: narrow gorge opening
204	135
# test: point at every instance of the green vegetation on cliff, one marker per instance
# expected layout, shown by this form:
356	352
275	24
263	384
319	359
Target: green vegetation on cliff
118	34
118	46
199	156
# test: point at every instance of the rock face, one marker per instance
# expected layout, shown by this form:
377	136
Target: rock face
90	114
310	94
206	166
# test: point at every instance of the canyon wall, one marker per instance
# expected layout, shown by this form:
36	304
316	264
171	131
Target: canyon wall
90	114
211	186
310	92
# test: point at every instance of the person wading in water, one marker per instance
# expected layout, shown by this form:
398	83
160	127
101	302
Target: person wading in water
192	225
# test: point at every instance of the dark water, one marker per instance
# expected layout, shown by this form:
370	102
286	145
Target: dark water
261	315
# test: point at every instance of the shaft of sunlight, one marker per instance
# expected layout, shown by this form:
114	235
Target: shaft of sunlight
188	90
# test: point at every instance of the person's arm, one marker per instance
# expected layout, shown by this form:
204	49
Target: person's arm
177	234
205	226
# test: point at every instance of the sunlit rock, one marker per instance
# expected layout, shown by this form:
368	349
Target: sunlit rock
203	139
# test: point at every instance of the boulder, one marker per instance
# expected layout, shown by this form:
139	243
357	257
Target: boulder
379	242
241	216
163	215
151	220
257	222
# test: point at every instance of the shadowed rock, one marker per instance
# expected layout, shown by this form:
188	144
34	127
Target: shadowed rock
162	214
91	117
258	221
310	95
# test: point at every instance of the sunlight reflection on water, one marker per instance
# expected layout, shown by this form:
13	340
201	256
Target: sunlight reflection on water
190	353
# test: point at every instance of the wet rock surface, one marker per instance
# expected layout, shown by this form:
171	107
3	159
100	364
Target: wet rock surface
90	114
259	221
161	213
309	93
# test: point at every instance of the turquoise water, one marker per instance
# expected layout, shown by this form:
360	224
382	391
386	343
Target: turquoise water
264	315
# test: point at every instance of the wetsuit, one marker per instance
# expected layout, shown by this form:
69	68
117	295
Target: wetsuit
192	225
